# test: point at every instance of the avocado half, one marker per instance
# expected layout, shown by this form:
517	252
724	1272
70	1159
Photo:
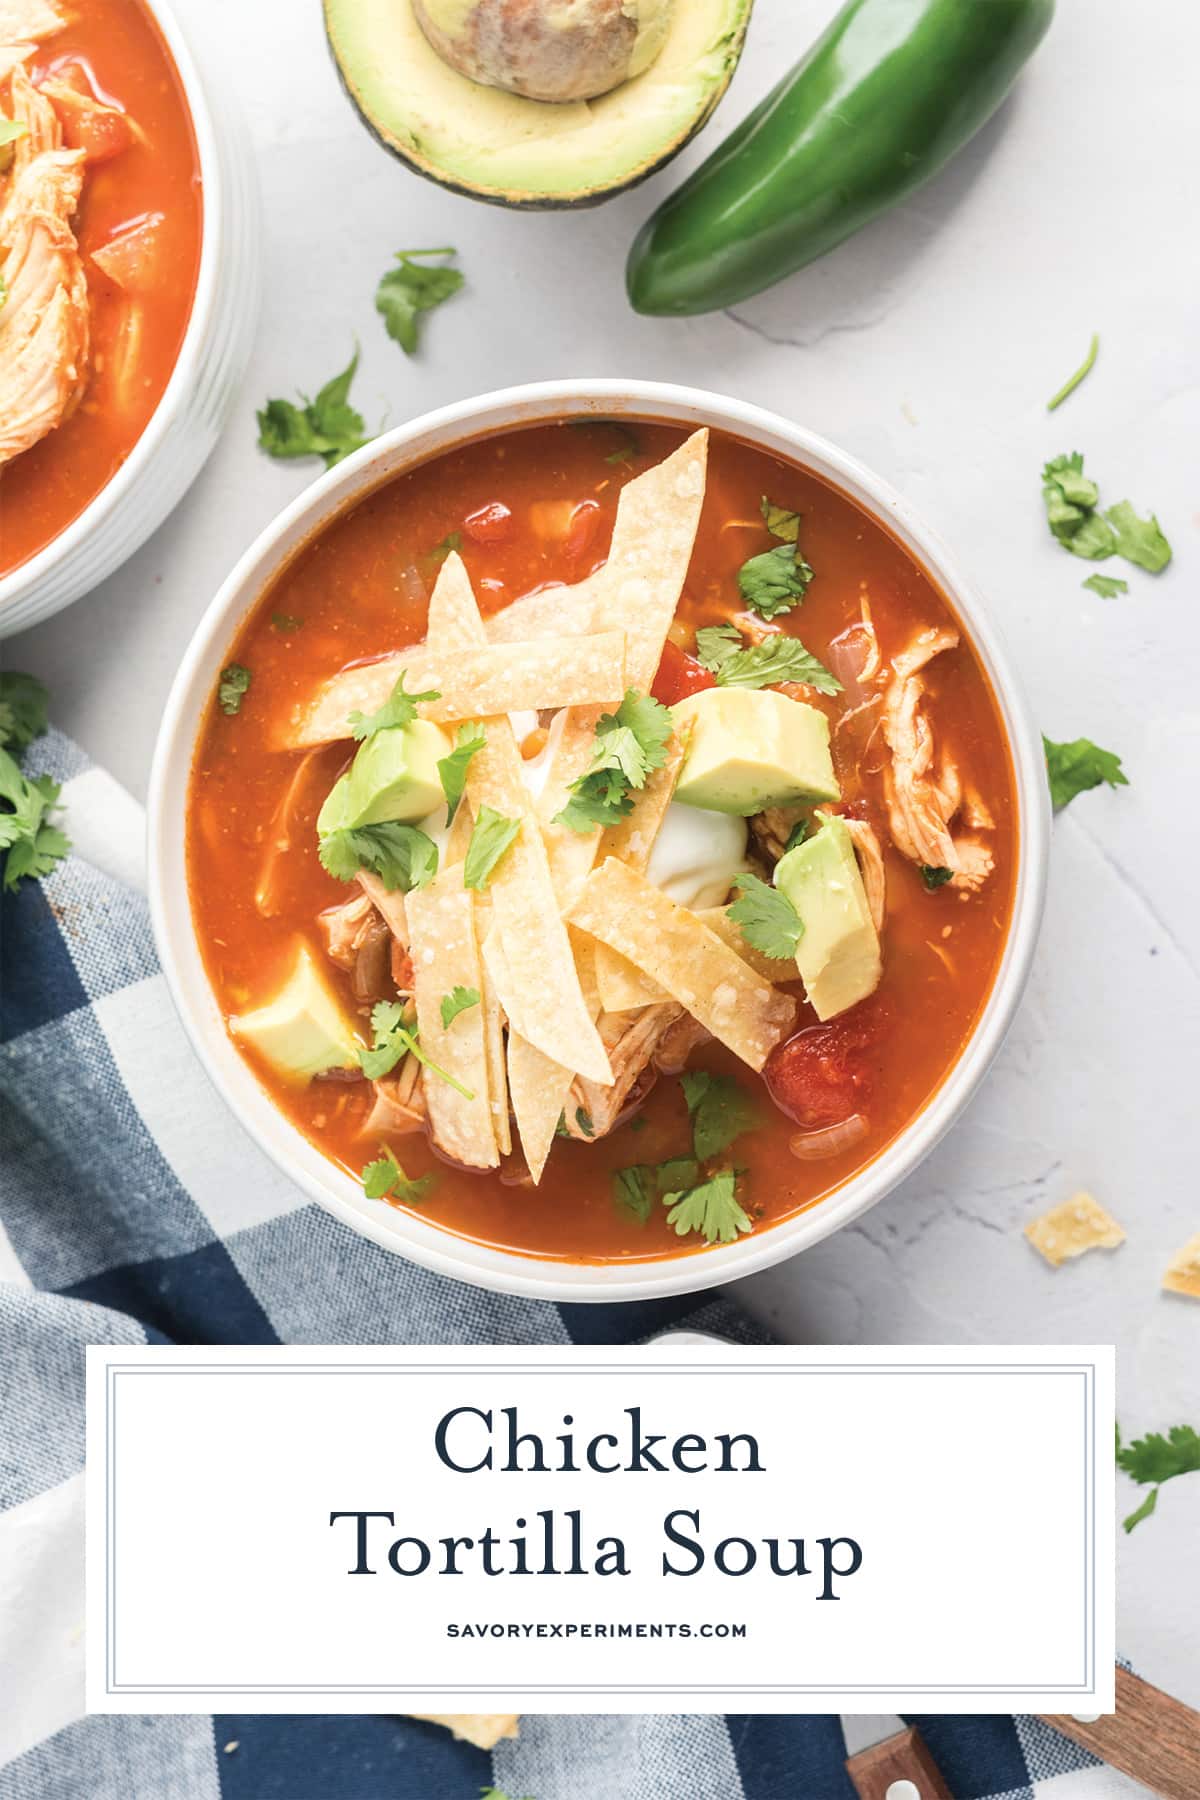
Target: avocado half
511	151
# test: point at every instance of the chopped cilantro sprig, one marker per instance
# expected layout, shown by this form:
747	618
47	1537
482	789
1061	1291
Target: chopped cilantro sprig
453	768
326	426
1155	1459
398	709
491	836
736	663
766	917
393	1041
458	1000
1072	382
415	287
403	856
773	581
31	844
630	744
384	1179
1073	768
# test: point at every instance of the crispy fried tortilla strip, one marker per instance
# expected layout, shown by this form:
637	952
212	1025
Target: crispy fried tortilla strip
692	964
473	681
539	1089
484	1730
771	968
535	977
389	904
621	986
493	1043
445	955
553	612
624	988
1183	1271
637	592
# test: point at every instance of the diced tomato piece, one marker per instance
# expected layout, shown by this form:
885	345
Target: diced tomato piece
134	257
679	675
492	524
585	522
89	125
825	1074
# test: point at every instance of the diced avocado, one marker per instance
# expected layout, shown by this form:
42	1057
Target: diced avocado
393	777
752	748
838	954
304	1029
515	151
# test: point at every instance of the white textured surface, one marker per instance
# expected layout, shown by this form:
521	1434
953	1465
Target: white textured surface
928	347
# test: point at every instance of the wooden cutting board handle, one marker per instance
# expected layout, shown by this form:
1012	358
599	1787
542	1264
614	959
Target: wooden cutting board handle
1151	1738
900	1758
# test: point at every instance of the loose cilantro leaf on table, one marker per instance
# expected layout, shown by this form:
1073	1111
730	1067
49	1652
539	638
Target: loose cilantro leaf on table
453	768
1072	382
233	688
458	1000
765	917
630	744
490	838
23	703
1155	1459
327	426
1070	499
711	1209
413	288
723	650
720	1111
935	878
1074	768
393	1041
402	856
398	709
384	1179
1139	541
1107	586
32	844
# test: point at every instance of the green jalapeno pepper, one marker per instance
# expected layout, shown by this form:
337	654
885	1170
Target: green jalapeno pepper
878	105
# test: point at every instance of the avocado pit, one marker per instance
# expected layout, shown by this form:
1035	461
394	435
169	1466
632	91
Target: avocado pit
551	50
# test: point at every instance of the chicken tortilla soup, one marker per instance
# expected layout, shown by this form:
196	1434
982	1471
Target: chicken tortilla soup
99	249
602	840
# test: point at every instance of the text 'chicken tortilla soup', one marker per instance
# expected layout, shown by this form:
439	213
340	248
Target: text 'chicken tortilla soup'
554	887
100	211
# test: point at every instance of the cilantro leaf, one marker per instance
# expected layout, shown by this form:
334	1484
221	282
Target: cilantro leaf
284	623
23	702
935	878
630	744
384	1179
797	835
777	658
1107	586
780	522
1072	382
1070	499
452	541
711	1209
491	836
1143	1512
402	856
415	287
398	709
772	582
720	1111
328	426
1139	541
394	1040
32	844
634	1190
232	688
453	768
458	1000
765	917
1156	1458
1074	768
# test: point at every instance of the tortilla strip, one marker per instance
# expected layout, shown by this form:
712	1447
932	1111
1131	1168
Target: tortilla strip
493	1043
539	988
624	988
1183	1271
539	1089
445	955
472	682
484	1730
621	986
555	612
637	591
695	966
389	904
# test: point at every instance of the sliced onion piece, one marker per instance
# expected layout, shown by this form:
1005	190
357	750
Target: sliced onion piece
831	1140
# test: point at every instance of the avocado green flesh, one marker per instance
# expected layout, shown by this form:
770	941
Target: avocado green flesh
393	777
838	952
501	147
751	748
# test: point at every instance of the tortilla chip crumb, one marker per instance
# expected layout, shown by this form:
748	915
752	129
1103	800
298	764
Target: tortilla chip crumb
484	1730
1183	1274
1078	1225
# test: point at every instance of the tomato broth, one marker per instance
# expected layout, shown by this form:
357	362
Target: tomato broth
358	588
142	193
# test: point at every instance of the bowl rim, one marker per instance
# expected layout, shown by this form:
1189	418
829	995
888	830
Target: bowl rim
433	1246
18	583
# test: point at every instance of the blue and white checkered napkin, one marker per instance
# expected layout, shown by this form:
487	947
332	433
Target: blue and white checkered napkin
132	1208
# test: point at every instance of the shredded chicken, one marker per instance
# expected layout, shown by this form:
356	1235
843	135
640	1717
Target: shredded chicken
771	829
631	1042
340	927
872	660
399	1103
677	1043
870	862
44	319
975	863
